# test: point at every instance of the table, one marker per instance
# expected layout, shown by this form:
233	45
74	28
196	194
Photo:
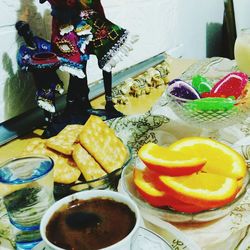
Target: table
228	233
140	105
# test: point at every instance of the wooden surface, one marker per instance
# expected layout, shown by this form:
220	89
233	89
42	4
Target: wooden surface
138	105
135	106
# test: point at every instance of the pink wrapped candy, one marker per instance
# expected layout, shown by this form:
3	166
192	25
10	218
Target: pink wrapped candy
232	84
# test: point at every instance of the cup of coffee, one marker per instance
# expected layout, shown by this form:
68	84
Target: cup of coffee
95	219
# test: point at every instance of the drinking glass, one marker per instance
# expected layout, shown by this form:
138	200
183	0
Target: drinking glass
27	192
242	51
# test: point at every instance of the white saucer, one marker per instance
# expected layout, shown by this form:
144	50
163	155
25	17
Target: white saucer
145	240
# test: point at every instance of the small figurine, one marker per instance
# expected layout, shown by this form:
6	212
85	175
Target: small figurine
36	56
79	29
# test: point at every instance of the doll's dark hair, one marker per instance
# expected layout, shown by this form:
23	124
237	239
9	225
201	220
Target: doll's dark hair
67	15
80	3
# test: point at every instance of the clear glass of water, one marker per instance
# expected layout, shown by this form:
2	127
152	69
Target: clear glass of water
27	192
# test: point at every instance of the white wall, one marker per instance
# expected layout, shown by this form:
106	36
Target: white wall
241	9
161	24
199	24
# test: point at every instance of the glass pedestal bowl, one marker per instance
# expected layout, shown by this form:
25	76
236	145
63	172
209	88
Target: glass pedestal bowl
149	212
209	119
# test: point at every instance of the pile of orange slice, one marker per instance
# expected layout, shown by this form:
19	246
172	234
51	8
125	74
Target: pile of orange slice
191	175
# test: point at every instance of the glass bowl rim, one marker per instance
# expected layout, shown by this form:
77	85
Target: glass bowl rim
27	158
176	98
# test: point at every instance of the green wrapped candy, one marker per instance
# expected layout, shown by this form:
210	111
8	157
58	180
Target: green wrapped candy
210	104
201	84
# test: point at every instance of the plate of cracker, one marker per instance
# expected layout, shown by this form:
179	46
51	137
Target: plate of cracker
88	156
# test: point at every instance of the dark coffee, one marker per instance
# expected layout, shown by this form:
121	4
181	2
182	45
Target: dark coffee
91	224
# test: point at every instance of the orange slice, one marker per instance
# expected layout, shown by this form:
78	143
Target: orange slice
151	194
158	198
221	159
201	189
169	162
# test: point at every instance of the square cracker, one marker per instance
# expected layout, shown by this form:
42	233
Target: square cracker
102	143
37	147
90	169
64	141
64	170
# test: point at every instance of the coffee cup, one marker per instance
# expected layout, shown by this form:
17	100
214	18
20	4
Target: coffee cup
110	218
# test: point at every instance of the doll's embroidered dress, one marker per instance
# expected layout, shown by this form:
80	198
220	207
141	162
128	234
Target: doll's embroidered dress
39	61
79	31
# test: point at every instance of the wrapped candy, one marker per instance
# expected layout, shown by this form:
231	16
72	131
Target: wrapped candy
232	84
182	89
201	84
211	104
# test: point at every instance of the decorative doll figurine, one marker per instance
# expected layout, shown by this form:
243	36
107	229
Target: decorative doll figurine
36	56
80	28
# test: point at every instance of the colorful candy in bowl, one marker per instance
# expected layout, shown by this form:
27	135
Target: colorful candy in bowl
211	105
195	179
